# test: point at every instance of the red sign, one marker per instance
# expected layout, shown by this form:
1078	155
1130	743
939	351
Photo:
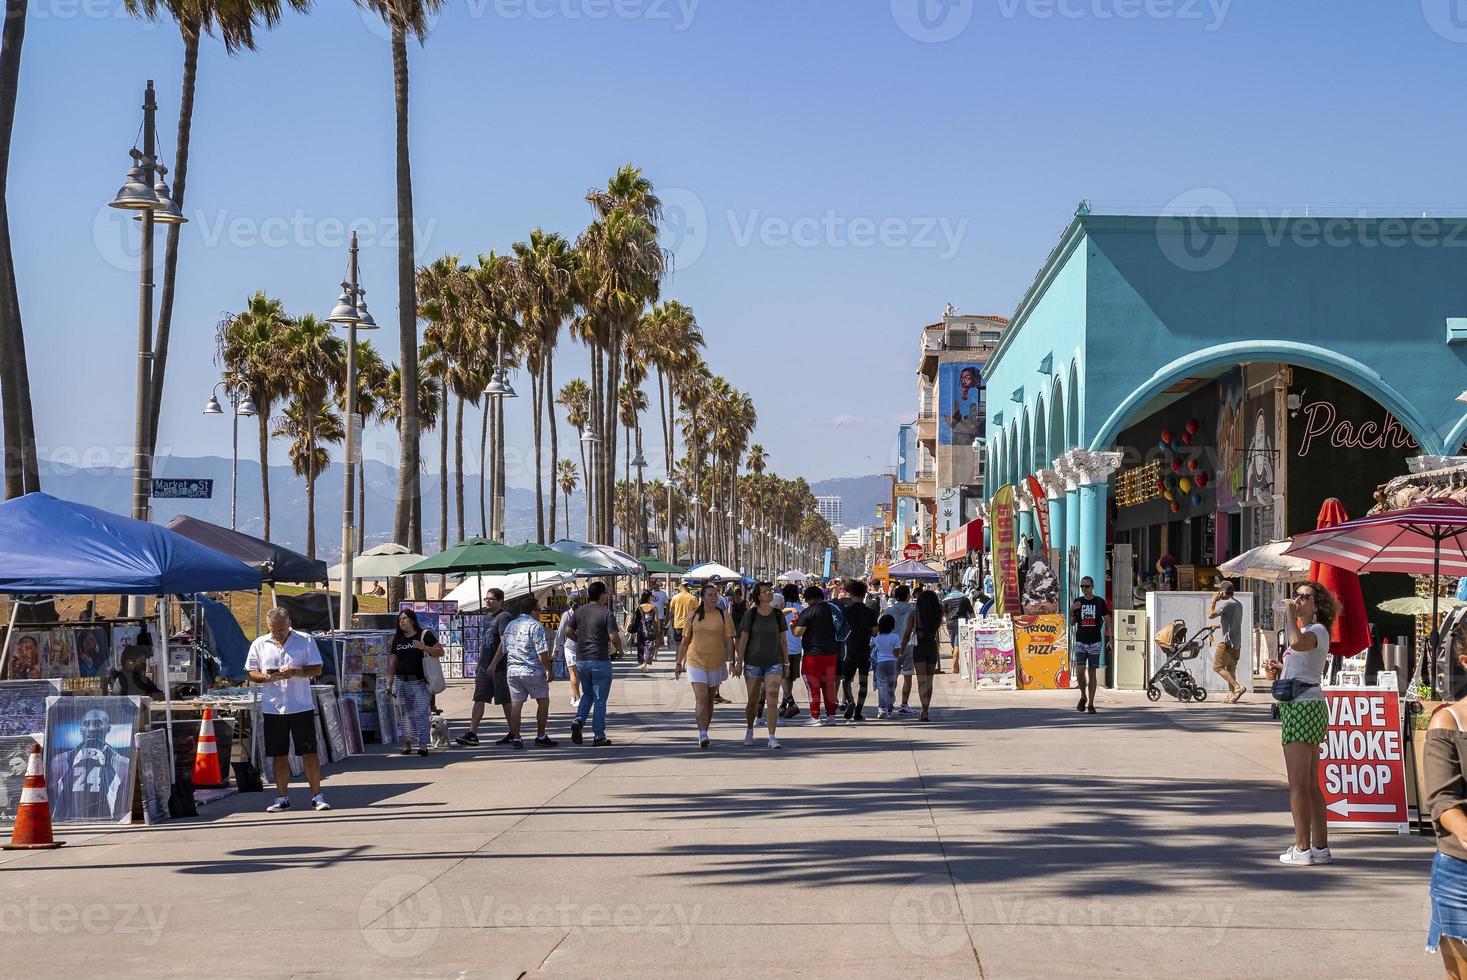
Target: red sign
1005	553
1361	770
1041	512
914	552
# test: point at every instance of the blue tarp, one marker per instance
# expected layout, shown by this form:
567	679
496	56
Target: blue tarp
51	546
226	639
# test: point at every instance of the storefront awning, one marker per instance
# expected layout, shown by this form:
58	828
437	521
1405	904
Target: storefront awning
957	543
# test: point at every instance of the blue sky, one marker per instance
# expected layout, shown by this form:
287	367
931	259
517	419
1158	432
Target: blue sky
838	170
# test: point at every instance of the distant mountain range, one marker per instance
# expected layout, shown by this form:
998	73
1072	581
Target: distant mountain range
111	489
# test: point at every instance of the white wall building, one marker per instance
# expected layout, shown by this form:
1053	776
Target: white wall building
830	509
857	537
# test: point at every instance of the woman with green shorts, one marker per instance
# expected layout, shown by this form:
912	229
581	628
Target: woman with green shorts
1310	615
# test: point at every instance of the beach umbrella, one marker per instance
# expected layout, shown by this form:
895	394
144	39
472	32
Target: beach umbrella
383	561
1351	631
469	593
1428	538
794	576
713	571
656	566
1417	605
1267	563
562	562
909	570
604	560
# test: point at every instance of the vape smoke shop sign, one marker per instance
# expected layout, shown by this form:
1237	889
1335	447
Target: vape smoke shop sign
1361	769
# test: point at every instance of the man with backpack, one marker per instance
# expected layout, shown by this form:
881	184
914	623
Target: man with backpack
860	621
817	629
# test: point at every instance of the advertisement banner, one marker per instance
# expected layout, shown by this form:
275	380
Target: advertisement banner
1362	772
1005	553
993	653
1042	653
1041	511
959	422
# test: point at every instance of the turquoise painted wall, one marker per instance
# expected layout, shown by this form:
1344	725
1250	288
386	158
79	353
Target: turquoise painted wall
1150	301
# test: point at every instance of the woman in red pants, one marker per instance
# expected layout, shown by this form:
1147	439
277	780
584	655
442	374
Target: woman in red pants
816	629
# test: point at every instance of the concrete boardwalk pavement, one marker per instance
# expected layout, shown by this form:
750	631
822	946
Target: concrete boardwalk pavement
1009	837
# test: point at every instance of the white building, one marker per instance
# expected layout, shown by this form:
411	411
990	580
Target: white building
830	509
857	537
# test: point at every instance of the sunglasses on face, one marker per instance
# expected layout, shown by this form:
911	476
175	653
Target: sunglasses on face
1309	596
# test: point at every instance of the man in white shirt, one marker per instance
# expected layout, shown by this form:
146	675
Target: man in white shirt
283	662
659	600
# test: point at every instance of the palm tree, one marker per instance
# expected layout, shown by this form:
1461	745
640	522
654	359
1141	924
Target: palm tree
234	21
403	18
372	396
493	288
430	399
757	460
620	273
673	341
575	398
568	479
310	426
442	289
631	403
545	297
249	346
22	470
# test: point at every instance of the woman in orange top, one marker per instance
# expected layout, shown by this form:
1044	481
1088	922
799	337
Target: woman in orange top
706	645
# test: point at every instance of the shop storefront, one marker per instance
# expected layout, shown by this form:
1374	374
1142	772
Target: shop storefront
1178	391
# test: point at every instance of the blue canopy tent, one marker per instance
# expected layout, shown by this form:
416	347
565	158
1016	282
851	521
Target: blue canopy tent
56	547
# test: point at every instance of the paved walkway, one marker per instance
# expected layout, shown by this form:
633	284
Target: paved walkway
1010	837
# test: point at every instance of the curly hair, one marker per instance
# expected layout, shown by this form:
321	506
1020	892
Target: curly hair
1326	606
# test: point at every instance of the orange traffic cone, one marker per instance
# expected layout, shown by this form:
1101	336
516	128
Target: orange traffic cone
33	819
206	760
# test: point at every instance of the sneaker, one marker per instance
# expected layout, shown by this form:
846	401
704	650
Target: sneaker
600	742
1091	709
507	740
467	739
1295	856
774	743
859	717
720	699
545	742
1320	855
904	710
749	737
575	703
703	741
850	711
518	743
813	722
422	751
281	803
1237	695
882	715
828	720
576	732
318	802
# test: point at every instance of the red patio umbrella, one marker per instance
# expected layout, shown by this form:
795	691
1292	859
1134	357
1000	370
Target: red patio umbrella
1429	538
1351	632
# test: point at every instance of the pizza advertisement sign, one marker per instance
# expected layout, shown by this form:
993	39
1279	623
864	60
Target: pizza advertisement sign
1362	770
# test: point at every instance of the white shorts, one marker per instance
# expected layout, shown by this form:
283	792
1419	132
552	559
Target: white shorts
713	678
570	657
909	665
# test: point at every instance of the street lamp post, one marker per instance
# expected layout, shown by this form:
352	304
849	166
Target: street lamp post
145	192
351	312
497	389
640	462
238	408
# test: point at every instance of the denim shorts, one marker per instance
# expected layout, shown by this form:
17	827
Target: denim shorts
1089	655
1448	900
754	673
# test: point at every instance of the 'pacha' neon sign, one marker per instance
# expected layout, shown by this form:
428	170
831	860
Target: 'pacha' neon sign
1321	419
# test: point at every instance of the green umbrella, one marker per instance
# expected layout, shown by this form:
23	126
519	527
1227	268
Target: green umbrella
657	566
480	555
1417	605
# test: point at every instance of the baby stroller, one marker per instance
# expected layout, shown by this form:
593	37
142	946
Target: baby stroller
1172	677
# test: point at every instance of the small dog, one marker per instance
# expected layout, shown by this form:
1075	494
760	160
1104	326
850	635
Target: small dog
439	732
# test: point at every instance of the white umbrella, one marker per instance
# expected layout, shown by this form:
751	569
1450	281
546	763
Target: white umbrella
600	556
468	593
1267	563
709	571
794	576
383	561
1419	605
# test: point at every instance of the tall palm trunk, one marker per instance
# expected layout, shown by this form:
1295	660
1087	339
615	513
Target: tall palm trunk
310	515
443	472
22	471
609	422
262	409
408	523
170	245
458	464
483	452
585	490
536	393
547	391
362	499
